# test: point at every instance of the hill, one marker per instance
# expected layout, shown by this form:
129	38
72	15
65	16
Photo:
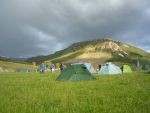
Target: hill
11	65
97	52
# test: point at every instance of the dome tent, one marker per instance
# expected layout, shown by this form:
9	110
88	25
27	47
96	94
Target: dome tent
89	66
110	68
75	73
126	69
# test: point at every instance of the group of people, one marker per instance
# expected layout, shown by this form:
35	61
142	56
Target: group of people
52	68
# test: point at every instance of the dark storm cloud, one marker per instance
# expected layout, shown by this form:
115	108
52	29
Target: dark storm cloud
34	27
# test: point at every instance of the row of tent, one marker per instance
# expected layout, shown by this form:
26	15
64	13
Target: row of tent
82	71
108	68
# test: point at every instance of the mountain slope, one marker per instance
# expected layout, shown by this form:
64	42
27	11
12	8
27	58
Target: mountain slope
97	51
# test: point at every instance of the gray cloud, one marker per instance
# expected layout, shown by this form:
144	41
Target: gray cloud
35	27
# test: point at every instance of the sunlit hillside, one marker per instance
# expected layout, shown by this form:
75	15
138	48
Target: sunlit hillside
96	52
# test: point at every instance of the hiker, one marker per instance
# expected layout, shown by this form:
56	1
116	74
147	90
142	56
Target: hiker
42	68
61	66
99	67
121	68
52	67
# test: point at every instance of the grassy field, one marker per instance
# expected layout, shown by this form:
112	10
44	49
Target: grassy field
36	93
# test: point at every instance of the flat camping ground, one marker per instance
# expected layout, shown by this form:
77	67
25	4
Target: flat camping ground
36	93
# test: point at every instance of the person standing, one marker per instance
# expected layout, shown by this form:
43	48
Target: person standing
61	66
42	68
52	67
99	67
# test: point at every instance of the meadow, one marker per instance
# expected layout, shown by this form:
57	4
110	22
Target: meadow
40	93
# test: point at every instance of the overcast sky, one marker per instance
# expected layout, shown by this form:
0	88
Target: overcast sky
40	27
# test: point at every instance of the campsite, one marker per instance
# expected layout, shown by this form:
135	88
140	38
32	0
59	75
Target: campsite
74	56
61	83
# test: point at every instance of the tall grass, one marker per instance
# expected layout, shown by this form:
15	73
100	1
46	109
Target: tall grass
37	93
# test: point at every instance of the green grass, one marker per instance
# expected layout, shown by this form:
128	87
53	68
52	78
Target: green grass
36	93
137	51
66	57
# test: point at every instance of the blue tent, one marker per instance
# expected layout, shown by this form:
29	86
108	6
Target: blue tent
110	68
88	66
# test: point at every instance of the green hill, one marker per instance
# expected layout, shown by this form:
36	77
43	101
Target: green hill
11	65
97	52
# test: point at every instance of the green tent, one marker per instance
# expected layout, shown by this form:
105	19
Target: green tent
75	73
127	69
